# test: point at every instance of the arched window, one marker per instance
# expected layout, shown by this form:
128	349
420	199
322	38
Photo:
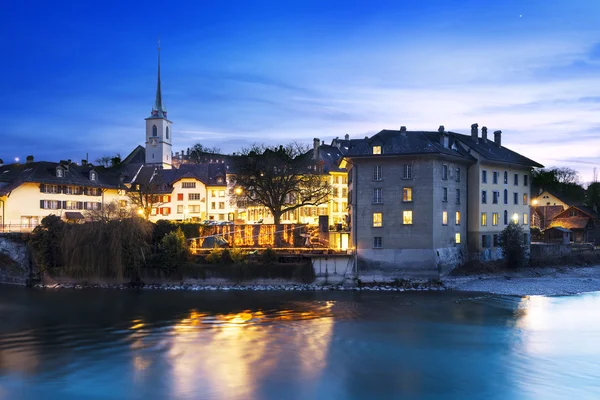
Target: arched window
154	130
505	196
505	217
506	177
167	132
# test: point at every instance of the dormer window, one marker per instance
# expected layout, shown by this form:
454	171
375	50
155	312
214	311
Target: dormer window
60	172
220	179
93	175
376	149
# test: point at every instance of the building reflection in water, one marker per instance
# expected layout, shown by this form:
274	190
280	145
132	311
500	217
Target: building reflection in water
227	356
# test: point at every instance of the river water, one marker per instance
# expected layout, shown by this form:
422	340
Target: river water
296	345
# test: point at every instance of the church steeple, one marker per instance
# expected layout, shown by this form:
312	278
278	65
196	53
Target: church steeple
159	111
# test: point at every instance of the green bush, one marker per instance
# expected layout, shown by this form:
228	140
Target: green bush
238	256
174	250
46	242
214	257
269	256
511	242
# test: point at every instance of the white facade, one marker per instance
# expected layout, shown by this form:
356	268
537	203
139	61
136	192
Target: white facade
159	142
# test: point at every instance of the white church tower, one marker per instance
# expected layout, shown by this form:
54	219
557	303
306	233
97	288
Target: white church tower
158	131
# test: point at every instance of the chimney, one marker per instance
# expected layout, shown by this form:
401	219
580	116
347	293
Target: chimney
441	129
498	138
347	137
316	142
474	131
484	133
83	162
29	160
403	130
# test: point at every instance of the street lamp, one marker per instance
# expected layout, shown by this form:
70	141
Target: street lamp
516	217
140	211
238	191
534	202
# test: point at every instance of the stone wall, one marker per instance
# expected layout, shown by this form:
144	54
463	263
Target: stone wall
541	251
15	262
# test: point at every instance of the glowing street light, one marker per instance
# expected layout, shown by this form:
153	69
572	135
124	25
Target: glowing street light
534	202
515	217
238	191
140	211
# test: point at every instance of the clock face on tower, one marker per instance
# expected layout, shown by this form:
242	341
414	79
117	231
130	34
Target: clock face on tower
154	142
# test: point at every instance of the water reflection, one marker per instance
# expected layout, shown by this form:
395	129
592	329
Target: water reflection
296	345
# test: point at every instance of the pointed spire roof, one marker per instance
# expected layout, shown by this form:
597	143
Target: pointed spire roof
159	110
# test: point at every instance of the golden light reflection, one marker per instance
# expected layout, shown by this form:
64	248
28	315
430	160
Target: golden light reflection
230	353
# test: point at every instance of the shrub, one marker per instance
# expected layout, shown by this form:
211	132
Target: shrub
511	242
214	257
226	257
46	242
269	256
238	256
173	249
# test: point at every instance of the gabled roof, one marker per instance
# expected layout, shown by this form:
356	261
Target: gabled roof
585	210
571	223
395	142
137	156
491	151
330	156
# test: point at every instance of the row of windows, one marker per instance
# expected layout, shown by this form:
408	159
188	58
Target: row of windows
445	195
378	241
155	131
378	195
78	190
69	205
496	216
213	205
407	172
496	174
496	197
445	170
407	218
336	192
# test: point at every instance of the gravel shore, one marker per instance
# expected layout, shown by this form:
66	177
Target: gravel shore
548	281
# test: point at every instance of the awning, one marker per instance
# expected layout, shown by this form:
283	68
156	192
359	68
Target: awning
73	215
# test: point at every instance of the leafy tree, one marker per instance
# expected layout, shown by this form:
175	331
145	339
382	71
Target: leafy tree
199	153
592	196
511	242
174	250
46	242
564	182
280	179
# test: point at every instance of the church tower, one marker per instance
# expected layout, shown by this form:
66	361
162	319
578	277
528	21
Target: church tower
158	130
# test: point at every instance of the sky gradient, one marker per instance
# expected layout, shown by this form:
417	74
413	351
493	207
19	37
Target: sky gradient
80	78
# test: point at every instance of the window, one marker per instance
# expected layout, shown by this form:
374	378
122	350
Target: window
516	198
525	219
407	194
59	172
377	220
505	196
213	193
221	205
188	185
483	197
180	209
505	217
495	219
335	192
495	177
407	173
407	217
485	241
505	177
444	217
221	193
92	176
445	195
213	205
457	196
344	192
377	199
179	196
376	149
377	173
193	196
484	176
194	209
457	238
515	218
457	218
336	207
524	199
444	172
495	240
525	180
495	196
167	132
483	219
377	242
154	130
344	179
457	177
516	179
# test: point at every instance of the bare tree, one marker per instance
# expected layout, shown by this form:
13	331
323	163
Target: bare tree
109	212
281	179
104	161
145	196
200	153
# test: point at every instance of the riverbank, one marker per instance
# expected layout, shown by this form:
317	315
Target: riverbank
549	281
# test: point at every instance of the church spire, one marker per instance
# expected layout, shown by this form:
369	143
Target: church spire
159	110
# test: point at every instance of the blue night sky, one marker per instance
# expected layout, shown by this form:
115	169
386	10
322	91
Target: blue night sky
79	77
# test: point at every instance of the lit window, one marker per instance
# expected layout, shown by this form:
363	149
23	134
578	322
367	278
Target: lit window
59	172
179	209
483	219
457	238
407	194
458	218
221	193
444	217
524	199
92	176
376	149
377	242
494	219
407	173
377	220
525	219
407	217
